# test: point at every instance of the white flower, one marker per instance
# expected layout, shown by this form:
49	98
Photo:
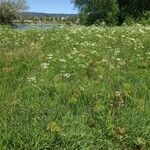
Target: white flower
62	60
111	66
117	52
50	56
93	44
82	65
122	63
140	57
67	38
118	59
69	56
74	51
44	65
94	52
98	35
141	31
31	79
100	77
66	75
81	55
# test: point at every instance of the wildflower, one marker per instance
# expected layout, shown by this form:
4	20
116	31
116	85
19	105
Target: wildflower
141	31
98	35
41	38
118	59
117	93
74	32
104	60
62	60
69	56
123	36
111	66
100	77
77	60
32	44
74	52
67	38
82	65
31	79
139	57
82	55
93	44
66	75
94	52
148	53
117	52
44	65
50	56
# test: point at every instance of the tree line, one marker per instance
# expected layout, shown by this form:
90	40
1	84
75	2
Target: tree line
112	12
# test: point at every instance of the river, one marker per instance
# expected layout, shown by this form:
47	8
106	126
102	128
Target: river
37	26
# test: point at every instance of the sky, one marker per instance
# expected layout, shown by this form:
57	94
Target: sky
51	6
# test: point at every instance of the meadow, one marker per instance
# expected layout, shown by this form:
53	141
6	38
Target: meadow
76	88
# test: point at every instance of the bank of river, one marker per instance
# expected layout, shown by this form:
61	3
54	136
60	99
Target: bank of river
37	26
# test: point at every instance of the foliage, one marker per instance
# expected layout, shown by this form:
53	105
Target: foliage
75	88
132	8
143	20
111	11
99	10
10	9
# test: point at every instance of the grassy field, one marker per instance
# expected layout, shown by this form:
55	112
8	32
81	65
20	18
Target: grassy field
75	89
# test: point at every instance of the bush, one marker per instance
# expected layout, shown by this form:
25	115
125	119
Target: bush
10	9
145	19
129	21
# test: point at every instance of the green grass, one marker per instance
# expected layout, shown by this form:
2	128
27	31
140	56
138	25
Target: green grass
75	89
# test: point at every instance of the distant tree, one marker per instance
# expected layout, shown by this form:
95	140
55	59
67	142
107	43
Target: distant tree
10	9
92	11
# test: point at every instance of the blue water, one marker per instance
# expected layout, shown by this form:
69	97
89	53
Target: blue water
36	26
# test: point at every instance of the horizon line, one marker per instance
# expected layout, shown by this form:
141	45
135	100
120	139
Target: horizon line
48	12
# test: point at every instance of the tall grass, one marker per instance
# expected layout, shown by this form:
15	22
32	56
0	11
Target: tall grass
75	88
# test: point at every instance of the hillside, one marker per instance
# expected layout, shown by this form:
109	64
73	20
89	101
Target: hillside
37	14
